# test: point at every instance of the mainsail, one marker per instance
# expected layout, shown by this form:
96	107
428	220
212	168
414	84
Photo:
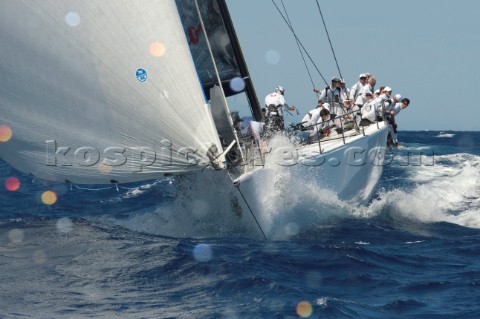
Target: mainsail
101	91
226	51
220	43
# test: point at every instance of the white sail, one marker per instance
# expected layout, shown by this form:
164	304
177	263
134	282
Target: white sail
100	91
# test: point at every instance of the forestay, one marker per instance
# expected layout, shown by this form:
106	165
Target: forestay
100	91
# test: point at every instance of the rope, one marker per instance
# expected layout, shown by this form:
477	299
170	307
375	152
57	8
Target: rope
92	189
253	215
237	186
299	42
116	185
299	48
328	36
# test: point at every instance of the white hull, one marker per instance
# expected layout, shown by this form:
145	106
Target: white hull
290	187
284	200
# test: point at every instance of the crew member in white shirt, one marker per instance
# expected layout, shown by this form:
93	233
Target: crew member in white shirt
397	99
331	94
394	111
363	98
275	104
325	124
370	85
344	91
401	106
312	116
356	89
382	103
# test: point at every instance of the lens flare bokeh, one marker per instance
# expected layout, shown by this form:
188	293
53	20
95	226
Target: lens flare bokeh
272	57
5	133
304	309
202	253
104	169
72	19
12	184
157	49
237	84
49	198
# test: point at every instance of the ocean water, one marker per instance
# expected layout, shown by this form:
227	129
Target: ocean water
412	252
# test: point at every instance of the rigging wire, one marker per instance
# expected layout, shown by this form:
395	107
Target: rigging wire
299	48
299	42
237	186
328	36
251	211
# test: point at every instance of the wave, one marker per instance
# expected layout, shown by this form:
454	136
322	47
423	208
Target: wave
427	189
446	192
445	189
445	135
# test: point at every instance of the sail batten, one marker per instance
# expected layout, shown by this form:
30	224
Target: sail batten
95	91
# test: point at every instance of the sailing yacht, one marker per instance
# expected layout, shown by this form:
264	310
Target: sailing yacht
115	91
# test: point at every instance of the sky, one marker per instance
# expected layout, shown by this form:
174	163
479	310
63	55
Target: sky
427	51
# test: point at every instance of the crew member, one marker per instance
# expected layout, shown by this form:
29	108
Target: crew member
275	103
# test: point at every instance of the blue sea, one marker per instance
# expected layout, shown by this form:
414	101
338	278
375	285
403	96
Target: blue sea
93	252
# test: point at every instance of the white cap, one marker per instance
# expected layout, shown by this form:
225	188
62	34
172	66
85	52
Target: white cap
398	97
279	89
362	75
377	91
367	74
326	106
388	89
367	92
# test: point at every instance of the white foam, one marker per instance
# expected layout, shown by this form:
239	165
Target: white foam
310	208
445	135
443	193
197	211
434	167
140	190
415	242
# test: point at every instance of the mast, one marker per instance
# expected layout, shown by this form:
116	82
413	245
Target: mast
242	65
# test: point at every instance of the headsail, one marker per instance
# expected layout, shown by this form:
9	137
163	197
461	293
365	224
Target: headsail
100	91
